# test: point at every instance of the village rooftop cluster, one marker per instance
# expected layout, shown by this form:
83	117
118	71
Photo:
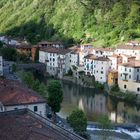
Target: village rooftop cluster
120	65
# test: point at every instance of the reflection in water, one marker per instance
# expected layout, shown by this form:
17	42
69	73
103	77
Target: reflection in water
95	103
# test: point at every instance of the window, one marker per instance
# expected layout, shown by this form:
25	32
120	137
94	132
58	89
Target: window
102	72
125	86
35	108
125	69
100	77
53	59
129	70
129	76
138	89
121	75
137	70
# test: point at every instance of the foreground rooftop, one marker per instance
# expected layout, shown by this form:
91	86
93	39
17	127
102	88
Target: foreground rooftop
26	125
14	93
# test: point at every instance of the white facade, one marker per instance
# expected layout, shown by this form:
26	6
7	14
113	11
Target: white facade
98	67
1	66
127	58
97	52
13	42
108	53
86	46
74	59
57	63
42	56
39	108
115	60
130	52
129	78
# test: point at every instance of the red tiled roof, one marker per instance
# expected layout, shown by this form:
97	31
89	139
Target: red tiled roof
76	51
90	56
55	50
13	93
116	56
134	64
93	57
24	126
128	56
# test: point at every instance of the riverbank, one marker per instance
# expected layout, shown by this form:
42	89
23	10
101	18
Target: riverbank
69	79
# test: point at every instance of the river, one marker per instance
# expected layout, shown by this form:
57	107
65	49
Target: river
94	103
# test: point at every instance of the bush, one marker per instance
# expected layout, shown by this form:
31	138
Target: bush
115	88
70	73
105	122
99	85
78	121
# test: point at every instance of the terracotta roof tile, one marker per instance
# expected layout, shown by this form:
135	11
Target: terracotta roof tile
13	93
93	57
134	64
23	126
55	50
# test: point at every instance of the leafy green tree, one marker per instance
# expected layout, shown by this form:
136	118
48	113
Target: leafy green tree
78	121
31	82
105	122
1	44
14	68
35	85
8	53
42	90
105	20
28	78
55	95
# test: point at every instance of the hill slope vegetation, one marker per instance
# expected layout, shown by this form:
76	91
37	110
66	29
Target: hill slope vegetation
106	21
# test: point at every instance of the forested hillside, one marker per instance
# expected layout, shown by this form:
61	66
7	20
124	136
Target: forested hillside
106	22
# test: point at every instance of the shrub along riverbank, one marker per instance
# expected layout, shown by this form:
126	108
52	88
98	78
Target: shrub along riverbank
129	97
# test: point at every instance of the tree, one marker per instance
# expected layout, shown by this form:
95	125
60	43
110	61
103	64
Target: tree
1	44
8	53
105	122
55	95
14	68
78	121
28	78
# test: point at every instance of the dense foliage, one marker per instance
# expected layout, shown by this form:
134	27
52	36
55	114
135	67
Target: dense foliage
105	122
8	53
106	22
31	82
129	97
78	121
55	95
